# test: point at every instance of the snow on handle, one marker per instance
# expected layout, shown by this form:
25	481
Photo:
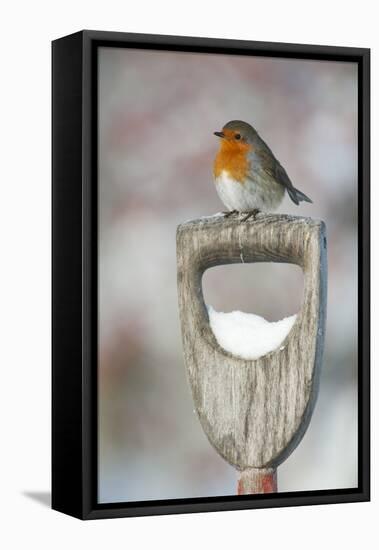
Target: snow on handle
247	335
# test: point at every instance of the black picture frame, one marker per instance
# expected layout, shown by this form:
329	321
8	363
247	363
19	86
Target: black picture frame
74	272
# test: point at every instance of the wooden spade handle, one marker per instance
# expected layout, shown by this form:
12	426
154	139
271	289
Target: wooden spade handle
257	480
254	412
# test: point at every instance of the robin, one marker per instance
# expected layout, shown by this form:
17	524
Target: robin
247	176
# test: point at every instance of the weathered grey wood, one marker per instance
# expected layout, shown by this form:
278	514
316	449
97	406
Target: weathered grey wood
253	412
257	480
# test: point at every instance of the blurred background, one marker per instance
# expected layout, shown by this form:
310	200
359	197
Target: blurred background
157	113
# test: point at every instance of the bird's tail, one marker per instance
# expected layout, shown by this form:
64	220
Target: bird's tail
297	196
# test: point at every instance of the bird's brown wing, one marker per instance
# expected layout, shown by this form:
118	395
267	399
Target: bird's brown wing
274	169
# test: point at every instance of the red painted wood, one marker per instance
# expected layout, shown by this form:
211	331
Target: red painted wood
257	481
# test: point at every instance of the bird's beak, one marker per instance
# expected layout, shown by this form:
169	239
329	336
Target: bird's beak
219	134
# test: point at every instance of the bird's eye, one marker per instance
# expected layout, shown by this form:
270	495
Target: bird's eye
238	136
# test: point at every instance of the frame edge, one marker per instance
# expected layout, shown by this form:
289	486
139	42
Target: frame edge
67	387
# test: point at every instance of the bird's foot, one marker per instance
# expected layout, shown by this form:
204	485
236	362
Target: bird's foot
230	213
251	214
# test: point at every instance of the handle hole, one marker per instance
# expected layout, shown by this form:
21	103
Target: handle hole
245	301
271	290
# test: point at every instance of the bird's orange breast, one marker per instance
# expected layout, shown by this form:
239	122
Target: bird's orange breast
232	158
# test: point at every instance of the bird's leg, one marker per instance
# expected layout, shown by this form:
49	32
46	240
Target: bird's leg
230	213
251	214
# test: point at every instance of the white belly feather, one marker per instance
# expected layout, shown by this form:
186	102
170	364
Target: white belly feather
248	196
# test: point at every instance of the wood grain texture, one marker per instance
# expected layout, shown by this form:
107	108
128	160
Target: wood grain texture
257	480
254	412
